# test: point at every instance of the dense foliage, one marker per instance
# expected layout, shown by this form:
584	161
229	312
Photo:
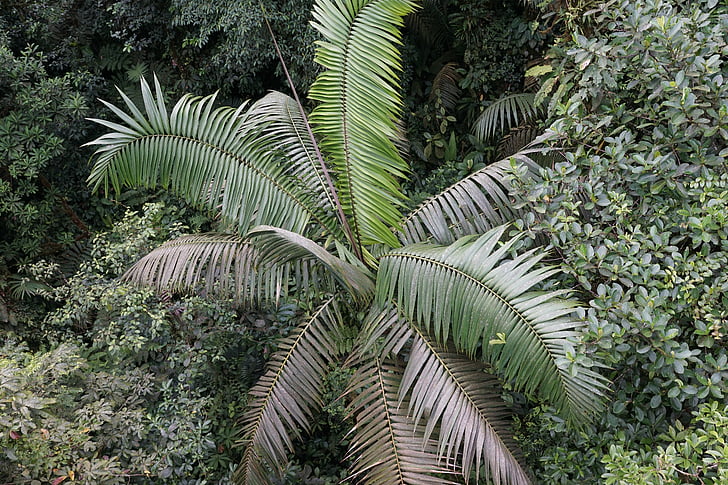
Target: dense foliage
636	214
103	382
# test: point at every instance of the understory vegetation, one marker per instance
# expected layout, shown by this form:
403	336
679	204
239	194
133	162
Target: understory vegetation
487	246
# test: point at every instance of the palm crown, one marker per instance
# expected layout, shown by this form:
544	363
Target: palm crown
442	305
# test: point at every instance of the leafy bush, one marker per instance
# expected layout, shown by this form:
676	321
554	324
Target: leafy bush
636	212
135	387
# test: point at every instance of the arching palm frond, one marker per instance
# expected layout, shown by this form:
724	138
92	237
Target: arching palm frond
287	395
214	158
457	398
462	404
505	113
227	265
360	104
279	246
472	205
469	292
285	124
387	447
516	139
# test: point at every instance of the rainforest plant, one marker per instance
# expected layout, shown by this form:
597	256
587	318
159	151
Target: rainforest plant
444	307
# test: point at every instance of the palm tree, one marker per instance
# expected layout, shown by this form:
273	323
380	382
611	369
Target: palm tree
445	308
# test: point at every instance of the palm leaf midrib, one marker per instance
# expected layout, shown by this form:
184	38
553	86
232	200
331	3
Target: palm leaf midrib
482	285
390	424
322	182
413	214
242	161
344	127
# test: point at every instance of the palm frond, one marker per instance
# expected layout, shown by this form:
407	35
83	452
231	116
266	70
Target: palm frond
472	205
278	246
517	138
217	159
462	403
387	447
505	113
445	85
287	395
469	292
430	23
285	124
456	396
227	265
359	106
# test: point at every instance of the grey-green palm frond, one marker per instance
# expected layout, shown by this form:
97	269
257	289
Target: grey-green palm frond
215	158
387	447
279	246
227	265
287	395
284	122
472	205
360	104
470	293
460	402
505	113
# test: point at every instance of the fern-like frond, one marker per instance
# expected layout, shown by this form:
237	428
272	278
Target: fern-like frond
457	398
430	23
386	445
516	139
278	246
505	113
285	124
461	402
286	397
227	265
470	292
359	106
216	158
472	205
445	85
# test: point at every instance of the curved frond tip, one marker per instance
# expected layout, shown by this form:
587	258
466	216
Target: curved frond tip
216	158
287	395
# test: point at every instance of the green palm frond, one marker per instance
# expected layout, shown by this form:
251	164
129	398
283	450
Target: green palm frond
287	395
279	246
283	121
359	106
227	265
472	205
386	445
506	113
217	159
469	292
462	403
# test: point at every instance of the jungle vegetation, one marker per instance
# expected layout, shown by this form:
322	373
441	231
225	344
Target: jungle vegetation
437	241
